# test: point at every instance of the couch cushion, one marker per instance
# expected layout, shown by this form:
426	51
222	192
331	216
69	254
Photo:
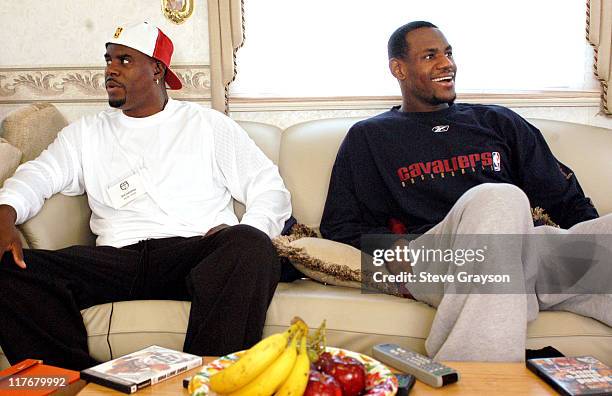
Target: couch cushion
267	138
355	321
32	128
135	325
571	334
586	149
308	152
72	213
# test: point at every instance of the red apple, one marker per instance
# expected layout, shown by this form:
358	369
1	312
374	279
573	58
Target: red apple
324	364
320	384
349	372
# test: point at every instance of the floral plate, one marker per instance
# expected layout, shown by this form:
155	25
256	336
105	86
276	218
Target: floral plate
379	380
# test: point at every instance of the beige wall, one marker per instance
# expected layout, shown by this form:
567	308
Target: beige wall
52	50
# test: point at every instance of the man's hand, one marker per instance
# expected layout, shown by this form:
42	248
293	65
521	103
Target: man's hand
9	236
216	229
396	268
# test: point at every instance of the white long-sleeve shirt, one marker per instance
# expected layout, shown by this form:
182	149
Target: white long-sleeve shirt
191	160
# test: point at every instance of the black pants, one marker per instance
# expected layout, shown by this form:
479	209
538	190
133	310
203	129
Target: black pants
230	278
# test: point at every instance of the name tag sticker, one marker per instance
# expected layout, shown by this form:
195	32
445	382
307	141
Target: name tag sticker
126	190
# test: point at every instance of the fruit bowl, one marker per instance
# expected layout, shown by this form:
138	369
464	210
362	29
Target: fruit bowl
379	380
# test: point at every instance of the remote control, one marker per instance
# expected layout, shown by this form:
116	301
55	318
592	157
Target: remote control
422	367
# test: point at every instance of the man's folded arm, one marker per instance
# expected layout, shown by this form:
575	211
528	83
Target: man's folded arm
547	182
56	169
343	217
252	178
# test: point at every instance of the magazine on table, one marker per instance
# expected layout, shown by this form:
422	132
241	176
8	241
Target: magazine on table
141	369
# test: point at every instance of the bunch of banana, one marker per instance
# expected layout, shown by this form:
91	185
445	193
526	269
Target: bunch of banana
262	370
296	382
266	383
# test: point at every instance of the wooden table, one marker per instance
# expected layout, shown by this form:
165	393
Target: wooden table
489	379
476	379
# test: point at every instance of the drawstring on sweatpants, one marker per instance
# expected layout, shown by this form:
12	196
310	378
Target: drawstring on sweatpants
141	268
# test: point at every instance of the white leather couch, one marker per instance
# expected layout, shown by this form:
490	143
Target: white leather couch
305	154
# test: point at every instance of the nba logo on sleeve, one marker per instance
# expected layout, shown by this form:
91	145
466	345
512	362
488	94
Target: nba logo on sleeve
496	161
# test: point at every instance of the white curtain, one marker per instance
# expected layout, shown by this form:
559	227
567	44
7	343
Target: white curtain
599	34
226	34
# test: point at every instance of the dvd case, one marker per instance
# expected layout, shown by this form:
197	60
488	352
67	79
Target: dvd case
583	375
140	369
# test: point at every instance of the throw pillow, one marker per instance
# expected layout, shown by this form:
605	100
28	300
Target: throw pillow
338	264
32	128
541	218
10	157
323	260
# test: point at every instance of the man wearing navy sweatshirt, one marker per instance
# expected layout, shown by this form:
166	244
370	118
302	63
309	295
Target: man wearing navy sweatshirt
435	167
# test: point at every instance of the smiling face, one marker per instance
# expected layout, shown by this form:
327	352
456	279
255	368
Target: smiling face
426	73
130	81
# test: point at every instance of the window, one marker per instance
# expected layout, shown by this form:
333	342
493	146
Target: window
318	48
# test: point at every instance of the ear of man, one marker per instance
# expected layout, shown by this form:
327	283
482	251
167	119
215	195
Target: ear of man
398	68
159	71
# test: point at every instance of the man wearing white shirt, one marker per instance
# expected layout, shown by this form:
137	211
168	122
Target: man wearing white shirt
160	176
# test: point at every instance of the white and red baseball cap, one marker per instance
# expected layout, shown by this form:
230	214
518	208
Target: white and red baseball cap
151	41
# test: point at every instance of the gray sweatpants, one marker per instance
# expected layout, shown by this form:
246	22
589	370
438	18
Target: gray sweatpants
493	327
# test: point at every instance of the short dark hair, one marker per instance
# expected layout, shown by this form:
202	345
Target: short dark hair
398	47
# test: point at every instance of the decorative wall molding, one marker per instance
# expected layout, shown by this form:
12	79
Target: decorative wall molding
509	99
86	84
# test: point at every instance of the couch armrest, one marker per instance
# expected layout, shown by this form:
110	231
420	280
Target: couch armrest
62	222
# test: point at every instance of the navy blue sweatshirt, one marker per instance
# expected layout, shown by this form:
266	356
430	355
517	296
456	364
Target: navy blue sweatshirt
413	167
